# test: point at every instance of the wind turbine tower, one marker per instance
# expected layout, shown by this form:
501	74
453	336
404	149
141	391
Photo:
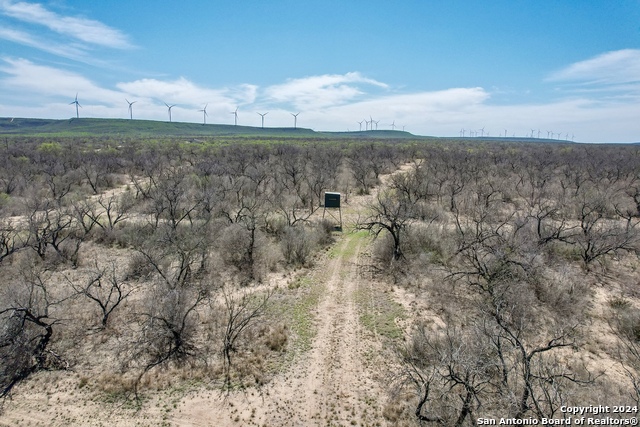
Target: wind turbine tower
393	125
204	114
169	107
360	123
77	105
295	120
235	117
130	108
262	115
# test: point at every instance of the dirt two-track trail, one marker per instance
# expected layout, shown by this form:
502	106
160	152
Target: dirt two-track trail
333	383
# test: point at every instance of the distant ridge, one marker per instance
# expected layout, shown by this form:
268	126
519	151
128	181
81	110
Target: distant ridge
149	128
76	127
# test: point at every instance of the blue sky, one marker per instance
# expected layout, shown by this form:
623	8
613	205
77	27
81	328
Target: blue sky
568	68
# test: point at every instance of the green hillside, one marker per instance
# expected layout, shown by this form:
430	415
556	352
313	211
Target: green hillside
124	128
150	128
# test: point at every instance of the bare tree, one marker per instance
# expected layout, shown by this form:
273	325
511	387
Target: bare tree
11	240
601	230
242	311
27	326
452	374
168	325
389	213
105	289
52	227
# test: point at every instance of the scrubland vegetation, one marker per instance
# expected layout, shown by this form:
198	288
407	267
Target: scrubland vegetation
524	260
135	266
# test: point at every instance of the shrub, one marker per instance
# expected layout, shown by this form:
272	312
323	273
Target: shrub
325	232
297	244
139	267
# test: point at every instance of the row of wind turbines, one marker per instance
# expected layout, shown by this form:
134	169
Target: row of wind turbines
369	124
203	111
534	132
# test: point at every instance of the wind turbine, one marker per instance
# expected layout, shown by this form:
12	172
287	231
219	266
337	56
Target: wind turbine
235	117
393	125
295	120
130	108
377	124
204	114
538	133
77	105
505	133
482	131
169	107
532	132
360	123
262	115
548	133
462	132
366	124
403	126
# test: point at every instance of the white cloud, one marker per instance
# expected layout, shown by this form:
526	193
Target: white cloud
27	39
321	91
25	76
185	92
83	29
610	68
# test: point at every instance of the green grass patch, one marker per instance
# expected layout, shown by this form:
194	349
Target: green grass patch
379	313
349	250
296	307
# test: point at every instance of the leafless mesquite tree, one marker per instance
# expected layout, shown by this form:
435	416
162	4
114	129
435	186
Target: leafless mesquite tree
392	214
241	312
105	289
27	326
167	328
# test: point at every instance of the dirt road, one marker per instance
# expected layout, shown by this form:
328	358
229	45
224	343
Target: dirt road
332	384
